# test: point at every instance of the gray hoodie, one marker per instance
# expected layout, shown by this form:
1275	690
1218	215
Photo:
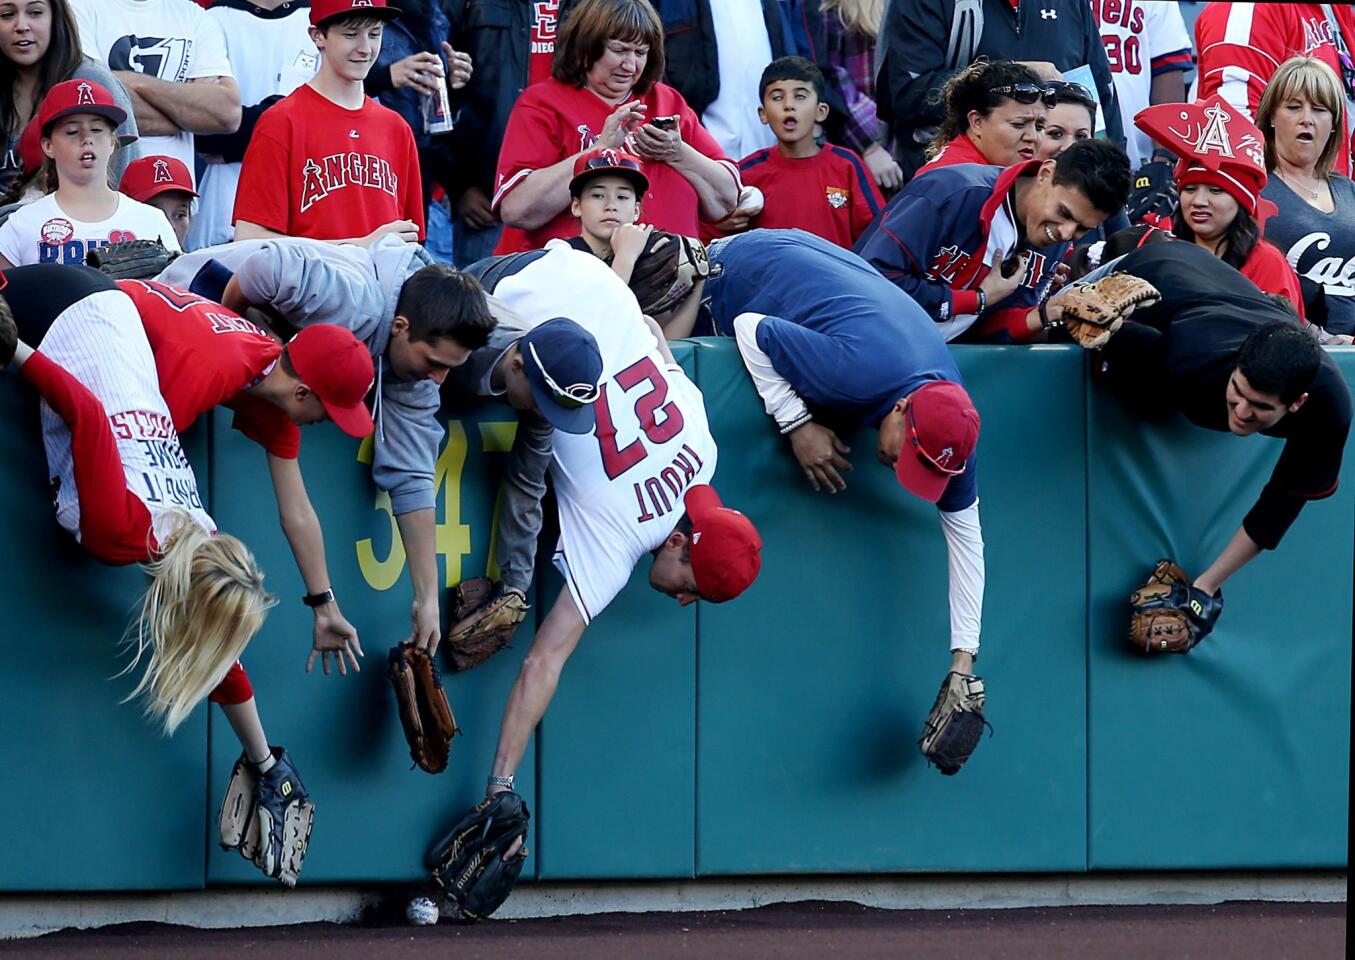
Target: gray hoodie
308	281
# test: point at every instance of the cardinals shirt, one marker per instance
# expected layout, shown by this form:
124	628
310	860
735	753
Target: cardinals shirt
316	169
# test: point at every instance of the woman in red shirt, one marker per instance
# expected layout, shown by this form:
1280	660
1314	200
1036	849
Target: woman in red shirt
603	92
1219	179
995	114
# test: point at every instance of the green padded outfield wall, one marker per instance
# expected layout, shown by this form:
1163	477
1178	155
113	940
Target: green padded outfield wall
776	734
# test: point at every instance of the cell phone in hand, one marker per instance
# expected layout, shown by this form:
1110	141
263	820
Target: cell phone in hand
665	123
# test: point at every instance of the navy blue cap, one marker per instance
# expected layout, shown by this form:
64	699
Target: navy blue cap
563	366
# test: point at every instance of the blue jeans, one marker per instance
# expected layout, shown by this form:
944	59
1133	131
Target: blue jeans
470	245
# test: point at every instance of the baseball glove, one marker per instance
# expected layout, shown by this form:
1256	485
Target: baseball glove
267	817
1092	312
667	270
1153	199
484	616
468	864
131	259
955	724
1169	615
425	713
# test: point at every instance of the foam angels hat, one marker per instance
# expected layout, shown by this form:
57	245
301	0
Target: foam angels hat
1218	145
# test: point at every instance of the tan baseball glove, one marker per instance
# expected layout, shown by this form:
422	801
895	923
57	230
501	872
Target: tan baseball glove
484	617
1092	312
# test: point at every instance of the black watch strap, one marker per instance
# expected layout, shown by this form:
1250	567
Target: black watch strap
319	599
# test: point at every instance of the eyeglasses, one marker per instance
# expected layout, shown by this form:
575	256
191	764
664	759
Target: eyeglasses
1026	93
923	455
572	397
1065	90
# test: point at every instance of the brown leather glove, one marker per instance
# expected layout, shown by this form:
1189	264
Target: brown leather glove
484	617
425	714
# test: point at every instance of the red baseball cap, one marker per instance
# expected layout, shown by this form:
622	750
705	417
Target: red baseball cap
607	161
78	96
943	430
726	549
322	10
148	177
338	368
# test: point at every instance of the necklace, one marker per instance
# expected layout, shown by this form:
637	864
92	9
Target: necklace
1296	185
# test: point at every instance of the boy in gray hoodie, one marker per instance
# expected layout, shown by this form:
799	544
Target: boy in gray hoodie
419	319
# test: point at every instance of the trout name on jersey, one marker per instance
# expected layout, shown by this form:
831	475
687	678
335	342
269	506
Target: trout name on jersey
154	434
59	244
653	495
340	170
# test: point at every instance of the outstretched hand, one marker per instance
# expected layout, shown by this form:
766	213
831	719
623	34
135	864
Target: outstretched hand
334	636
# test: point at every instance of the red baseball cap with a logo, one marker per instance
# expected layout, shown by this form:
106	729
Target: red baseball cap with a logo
78	96
322	10
595	163
942	432
726	550
148	177
337	367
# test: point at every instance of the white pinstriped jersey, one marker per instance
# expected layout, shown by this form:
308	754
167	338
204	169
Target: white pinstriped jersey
619	488
100	341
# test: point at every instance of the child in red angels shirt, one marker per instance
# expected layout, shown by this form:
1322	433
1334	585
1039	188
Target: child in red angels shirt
824	190
327	162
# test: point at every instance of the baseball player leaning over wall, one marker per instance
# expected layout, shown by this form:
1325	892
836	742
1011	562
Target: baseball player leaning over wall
639	483
418	319
819	329
125	489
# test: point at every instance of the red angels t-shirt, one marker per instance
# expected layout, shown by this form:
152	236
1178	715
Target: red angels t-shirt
205	356
830	194
545	18
315	169
552	121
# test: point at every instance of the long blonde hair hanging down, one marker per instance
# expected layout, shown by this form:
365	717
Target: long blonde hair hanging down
205	603
864	16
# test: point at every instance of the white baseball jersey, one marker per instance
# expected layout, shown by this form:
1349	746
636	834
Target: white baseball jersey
100	341
272	53
1142	40
173	40
619	488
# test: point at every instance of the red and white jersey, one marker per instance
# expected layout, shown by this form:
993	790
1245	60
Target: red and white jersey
100	342
1143	40
619	488
207	355
1240	45
552	121
316	169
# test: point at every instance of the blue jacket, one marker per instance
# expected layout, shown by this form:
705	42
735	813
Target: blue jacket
940	236
421	28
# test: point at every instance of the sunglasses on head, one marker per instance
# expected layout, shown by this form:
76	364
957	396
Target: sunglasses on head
1026	93
1064	90
923	455
571	397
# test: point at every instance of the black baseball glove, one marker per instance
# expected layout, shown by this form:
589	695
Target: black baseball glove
131	259
468	864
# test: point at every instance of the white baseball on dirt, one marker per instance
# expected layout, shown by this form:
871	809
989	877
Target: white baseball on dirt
422	912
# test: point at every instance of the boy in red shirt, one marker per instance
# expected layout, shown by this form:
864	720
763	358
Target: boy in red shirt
825	190
327	162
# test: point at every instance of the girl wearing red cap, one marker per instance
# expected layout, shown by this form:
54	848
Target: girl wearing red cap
76	122
1220	181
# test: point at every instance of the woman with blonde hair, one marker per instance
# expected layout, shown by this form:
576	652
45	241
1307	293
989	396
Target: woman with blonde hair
1301	114
125	489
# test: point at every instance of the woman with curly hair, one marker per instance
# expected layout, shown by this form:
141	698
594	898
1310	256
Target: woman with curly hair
995	114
